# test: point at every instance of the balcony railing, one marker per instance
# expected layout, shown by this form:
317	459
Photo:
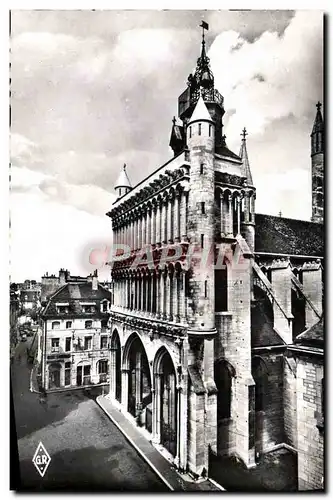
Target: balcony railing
188	99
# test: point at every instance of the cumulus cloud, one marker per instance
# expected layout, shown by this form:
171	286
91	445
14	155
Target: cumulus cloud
290	69
94	90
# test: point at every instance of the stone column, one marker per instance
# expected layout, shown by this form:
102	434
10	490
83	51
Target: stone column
158	222
140	232
138	392
158	294
124	388
177	217
157	409
170	220
147	293
222	212
135	235
144	225
136	293
152	291
229	228
162	295
112	390
143	293
182	297
149	214
131	233
239	201
164	222
175	287
168	297
153	225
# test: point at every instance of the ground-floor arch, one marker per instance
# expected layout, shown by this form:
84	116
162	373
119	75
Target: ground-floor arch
165	401
115	367
139	387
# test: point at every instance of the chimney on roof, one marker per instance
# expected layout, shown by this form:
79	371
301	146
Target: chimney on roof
62	277
95	280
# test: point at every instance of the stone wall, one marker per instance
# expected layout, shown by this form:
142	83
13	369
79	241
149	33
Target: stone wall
310	439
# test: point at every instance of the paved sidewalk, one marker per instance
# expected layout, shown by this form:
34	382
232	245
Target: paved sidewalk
164	469
34	387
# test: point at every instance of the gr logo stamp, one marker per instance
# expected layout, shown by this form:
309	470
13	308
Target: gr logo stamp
41	459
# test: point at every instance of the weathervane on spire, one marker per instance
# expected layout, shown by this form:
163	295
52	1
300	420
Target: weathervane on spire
204	27
244	134
124	167
318	105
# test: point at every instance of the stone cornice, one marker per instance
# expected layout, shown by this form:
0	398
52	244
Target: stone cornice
151	192
151	325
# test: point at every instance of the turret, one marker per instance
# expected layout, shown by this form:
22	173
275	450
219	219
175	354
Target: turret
317	160
201	143
123	184
248	217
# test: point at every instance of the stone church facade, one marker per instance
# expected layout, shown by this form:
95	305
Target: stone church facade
208	294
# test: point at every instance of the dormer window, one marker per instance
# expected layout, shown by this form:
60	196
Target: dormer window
62	308
88	307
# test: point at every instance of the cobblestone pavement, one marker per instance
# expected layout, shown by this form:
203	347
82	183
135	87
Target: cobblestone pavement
88	453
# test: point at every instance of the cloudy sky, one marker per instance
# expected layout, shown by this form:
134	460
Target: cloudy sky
94	89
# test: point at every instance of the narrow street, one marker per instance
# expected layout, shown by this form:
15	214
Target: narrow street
88	453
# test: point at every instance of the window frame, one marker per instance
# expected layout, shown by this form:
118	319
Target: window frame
87	345
55	348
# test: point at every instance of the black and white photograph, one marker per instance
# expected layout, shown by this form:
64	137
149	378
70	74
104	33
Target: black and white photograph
166	247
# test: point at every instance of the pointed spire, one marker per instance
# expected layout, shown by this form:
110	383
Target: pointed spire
200	112
318	123
245	159
317	134
123	180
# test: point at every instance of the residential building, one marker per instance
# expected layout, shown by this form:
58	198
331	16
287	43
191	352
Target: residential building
75	335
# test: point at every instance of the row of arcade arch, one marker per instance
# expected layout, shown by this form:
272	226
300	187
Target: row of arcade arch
149	395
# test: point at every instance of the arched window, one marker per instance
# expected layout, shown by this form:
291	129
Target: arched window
55	325
88	323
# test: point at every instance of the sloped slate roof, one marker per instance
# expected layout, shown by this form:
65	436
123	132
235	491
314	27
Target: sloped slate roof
262	331
313	335
200	112
224	151
82	291
73	293
288	236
